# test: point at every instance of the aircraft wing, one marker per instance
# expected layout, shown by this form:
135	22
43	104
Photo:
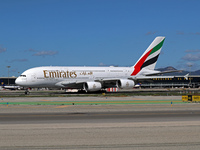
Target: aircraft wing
76	85
110	82
106	82
107	79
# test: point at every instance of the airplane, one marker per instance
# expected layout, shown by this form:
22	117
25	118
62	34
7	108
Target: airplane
10	87
91	79
138	85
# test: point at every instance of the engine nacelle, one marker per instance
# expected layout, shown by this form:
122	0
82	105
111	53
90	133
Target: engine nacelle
125	84
92	86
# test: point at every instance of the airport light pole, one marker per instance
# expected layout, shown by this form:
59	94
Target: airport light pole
8	74
190	75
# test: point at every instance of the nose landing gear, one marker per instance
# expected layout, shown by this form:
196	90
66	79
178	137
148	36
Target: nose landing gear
27	92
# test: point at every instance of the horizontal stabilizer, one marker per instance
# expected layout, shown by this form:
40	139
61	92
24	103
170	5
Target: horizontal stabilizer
163	72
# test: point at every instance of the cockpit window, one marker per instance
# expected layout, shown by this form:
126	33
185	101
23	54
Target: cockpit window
22	75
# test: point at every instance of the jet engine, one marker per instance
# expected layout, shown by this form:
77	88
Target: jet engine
92	86
125	84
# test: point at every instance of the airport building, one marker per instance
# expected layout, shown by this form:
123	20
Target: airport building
7	80
172	82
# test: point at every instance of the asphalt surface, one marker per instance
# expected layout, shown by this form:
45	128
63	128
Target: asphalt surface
103	117
114	126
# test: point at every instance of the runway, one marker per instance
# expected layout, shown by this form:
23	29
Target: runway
101	117
114	126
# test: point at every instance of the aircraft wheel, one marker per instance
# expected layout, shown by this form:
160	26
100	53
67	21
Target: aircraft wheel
27	92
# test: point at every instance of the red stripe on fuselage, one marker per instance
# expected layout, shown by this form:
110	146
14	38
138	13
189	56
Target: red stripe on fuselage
140	63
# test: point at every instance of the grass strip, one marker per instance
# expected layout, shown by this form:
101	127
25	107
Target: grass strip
95	102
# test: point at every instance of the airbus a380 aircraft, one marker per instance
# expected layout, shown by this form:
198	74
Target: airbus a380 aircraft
94	78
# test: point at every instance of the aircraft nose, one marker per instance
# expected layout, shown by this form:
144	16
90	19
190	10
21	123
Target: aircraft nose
19	81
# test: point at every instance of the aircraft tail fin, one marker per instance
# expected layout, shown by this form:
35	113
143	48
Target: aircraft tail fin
149	58
2	83
186	76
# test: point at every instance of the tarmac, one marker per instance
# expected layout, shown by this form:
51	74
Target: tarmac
114	123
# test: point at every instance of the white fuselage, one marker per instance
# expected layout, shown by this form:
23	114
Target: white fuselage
52	76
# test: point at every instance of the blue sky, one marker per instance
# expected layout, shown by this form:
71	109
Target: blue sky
97	32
